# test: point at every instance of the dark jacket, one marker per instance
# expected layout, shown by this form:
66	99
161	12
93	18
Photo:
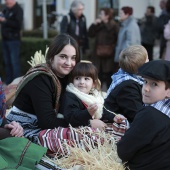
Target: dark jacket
104	34
11	28
38	97
162	21
75	112
125	99
68	25
149	29
146	144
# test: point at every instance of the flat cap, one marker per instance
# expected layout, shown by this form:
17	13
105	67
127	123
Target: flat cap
156	69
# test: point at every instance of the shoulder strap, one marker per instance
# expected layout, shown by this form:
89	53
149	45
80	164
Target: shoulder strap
41	69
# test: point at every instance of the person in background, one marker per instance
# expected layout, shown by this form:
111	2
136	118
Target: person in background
162	5
129	33
146	143
105	32
39	92
162	21
148	26
167	38
11	129
74	24
124	94
11	20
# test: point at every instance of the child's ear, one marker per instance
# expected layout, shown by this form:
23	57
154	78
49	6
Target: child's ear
97	84
168	93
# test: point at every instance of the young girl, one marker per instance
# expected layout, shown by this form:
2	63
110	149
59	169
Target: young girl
82	104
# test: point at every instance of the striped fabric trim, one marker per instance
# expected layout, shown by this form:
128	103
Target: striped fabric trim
28	121
163	106
56	139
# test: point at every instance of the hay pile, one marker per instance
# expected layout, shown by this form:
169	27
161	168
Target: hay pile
102	156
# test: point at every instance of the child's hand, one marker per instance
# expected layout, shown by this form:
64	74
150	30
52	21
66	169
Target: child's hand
119	118
16	129
92	109
96	123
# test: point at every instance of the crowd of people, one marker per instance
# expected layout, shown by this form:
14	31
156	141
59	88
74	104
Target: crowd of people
112	36
65	91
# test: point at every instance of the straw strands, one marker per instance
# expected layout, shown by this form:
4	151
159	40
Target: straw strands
38	58
102	156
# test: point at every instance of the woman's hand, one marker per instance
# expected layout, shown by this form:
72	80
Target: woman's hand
92	109
98	21
96	123
119	118
16	129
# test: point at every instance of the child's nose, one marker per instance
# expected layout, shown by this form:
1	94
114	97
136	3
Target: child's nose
146	87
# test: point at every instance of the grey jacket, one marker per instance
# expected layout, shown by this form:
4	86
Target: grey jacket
129	34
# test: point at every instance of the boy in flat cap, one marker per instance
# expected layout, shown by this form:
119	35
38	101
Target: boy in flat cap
146	144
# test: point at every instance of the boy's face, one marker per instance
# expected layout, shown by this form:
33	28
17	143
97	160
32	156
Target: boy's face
154	91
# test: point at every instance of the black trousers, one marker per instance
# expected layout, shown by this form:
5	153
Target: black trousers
4	133
149	49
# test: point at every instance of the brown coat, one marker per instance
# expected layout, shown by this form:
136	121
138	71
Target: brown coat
104	33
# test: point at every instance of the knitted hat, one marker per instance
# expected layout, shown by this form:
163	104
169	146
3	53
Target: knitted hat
157	69
127	10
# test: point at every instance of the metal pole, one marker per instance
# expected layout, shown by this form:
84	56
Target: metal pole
44	9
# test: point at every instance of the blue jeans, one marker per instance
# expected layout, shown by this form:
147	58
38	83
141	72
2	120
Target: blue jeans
11	51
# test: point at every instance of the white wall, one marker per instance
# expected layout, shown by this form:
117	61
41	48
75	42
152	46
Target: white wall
28	13
139	6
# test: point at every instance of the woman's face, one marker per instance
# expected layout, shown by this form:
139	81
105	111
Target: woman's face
103	16
123	16
64	62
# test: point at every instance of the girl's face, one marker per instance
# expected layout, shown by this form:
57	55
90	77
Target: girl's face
154	91
64	62
83	84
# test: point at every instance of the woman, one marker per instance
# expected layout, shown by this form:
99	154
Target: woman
11	129
129	33
38	94
167	37
105	30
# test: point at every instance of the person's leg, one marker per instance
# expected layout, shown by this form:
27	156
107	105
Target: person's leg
15	59
4	133
149	49
7	61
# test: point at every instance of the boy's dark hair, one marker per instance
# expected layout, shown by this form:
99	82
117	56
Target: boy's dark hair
167	85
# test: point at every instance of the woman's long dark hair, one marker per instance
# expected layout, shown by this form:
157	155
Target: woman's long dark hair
58	43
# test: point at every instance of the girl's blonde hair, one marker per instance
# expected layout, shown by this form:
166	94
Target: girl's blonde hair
131	58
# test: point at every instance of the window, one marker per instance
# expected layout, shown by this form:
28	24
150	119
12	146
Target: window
108	3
